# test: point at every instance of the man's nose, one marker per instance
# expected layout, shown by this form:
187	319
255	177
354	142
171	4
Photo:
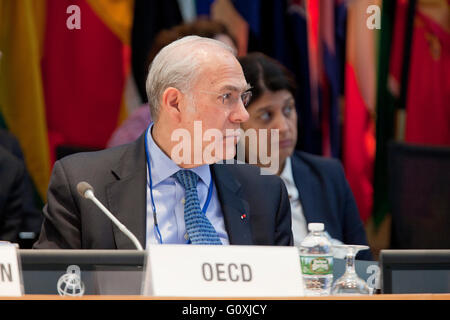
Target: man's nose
240	113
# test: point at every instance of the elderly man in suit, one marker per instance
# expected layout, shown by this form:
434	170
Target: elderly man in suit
193	83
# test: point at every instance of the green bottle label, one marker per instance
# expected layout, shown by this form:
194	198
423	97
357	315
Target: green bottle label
314	265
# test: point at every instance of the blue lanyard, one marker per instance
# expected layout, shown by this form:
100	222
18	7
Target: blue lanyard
150	183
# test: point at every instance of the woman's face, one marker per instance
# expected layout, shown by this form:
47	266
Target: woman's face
274	110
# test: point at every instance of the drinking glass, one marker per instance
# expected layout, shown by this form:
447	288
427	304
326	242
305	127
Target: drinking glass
350	283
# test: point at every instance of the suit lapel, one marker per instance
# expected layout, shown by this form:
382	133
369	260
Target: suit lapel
127	195
307	189
233	206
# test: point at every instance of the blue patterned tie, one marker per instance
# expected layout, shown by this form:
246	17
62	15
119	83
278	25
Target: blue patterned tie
198	227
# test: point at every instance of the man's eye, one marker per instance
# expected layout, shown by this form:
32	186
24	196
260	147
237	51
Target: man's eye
225	97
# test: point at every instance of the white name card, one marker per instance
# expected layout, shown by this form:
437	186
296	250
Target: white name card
222	271
10	279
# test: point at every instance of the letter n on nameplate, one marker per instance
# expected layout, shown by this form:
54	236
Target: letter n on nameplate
10	277
222	271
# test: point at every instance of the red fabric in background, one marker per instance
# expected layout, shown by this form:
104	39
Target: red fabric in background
358	145
83	78
428	102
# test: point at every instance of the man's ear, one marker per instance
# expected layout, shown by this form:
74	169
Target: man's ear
170	101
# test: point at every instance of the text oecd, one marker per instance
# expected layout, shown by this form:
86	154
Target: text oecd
226	272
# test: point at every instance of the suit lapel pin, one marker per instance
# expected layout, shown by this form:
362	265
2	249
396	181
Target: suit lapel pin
243	216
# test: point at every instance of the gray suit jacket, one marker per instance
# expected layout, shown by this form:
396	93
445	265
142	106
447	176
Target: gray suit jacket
119	175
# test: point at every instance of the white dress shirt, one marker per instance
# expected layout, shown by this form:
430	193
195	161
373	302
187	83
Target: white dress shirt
168	196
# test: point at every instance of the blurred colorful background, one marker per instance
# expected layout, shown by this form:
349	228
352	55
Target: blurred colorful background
69	76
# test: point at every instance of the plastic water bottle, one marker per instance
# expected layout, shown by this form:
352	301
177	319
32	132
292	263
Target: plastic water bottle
316	259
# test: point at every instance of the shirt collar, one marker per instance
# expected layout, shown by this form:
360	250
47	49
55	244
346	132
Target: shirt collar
163	167
286	174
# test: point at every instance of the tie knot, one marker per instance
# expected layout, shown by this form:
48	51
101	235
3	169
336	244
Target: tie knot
187	178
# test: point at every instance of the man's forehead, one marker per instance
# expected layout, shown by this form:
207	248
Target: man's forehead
225	76
222	82
218	68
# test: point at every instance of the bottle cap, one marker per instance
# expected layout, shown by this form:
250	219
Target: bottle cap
316	227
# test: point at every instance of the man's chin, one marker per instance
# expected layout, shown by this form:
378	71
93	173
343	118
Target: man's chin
220	152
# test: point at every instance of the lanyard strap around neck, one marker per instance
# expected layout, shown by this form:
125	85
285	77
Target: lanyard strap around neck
150	184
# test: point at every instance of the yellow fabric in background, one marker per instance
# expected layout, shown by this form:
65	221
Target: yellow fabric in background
117	15
21	92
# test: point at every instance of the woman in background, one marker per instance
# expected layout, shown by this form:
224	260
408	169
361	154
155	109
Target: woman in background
317	187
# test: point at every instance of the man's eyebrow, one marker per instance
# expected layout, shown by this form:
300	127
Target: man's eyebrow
234	88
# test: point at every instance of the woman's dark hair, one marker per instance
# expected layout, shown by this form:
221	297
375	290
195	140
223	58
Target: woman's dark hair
264	73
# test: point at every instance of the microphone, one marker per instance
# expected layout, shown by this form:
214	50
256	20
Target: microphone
86	191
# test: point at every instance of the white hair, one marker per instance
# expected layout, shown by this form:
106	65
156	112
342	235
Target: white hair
176	65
